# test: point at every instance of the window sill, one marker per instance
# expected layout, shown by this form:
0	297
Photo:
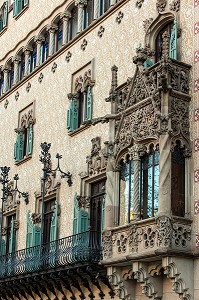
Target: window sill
26	158
80	129
21	12
3	30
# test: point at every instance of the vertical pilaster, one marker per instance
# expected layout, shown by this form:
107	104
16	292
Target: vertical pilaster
39	40
16	69
136	151
6	78
96	8
51	29
65	19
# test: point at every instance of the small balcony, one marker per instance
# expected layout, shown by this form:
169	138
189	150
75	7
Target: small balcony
146	239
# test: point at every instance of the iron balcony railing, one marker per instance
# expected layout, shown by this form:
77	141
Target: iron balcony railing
68	251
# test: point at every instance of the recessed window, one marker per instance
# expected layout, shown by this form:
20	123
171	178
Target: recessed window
59	36
18	6
73	22
44	48
3	15
103	6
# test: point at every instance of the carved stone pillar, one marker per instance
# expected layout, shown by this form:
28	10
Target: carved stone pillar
96	8
51	29
65	18
27	51
16	69
165	45
80	4
6	78
164	197
39	41
136	151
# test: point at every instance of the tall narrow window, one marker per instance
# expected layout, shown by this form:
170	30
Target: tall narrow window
44	48
73	22
178	181
1	83
103	6
32	59
22	66
59	36
87	14
48	214
11	76
158	44
10	234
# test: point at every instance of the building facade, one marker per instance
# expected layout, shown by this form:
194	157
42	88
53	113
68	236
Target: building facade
99	149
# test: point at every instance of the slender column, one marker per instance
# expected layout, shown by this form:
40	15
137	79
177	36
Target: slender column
65	19
39	40
27	51
51	29
136	151
96	8
6	70
16	69
80	4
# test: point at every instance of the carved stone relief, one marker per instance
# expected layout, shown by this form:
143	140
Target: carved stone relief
82	79
175	5
161	5
107	244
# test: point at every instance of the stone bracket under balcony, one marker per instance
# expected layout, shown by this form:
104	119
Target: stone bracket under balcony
147	238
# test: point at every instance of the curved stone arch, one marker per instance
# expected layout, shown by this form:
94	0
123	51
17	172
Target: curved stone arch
119	284
69	6
20	50
56	18
155	26
179	285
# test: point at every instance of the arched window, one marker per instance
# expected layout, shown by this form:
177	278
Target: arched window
87	14
178	181
22	66
44	48
11	76
158	43
73	22
59	36
148	187
103	6
32	58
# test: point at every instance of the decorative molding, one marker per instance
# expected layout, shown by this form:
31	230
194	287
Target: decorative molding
101	31
139	3
28	87
41	76
147	23
83	81
36	218
54	67
175	5
68	56
119	17
6	104
17	96
161	5
84	44
83	201
107	245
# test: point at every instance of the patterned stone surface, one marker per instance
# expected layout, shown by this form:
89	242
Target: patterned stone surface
196	207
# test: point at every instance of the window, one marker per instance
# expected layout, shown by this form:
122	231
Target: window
32	59
178	181
22	67
18	6
44	49
1	83
73	22
80	111
59	36
103	6
3	15
24	141
11	76
87	14
80	218
148	187
10	234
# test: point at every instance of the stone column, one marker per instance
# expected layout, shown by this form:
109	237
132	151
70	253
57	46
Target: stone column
16	69
65	19
164	197
6	70
51	29
80	4
39	40
27	51
96	8
136	151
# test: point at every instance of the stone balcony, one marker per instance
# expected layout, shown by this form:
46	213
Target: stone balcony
146	239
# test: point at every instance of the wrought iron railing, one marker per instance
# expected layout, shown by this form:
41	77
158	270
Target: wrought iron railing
68	251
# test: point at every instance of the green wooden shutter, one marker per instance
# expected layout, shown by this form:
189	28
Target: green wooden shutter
75	216
173	42
69	118
82	221
29	231
16	149
148	63
89	103
74	121
5	14
12	239
20	6
21	146
54	224
3	247
103	212
36	239
1	23
30	139
15	8
25	2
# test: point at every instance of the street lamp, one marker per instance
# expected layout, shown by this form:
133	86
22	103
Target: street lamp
7	190
45	158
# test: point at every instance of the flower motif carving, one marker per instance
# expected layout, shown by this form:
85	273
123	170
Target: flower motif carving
41	76
101	31
84	44
17	96
28	87
119	17
139	3
175	5
6	103
161	4
107	244
68	56
54	67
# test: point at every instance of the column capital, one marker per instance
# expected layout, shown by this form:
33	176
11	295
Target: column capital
65	15
80	2
16	59
136	151
51	28
39	39
27	49
5	68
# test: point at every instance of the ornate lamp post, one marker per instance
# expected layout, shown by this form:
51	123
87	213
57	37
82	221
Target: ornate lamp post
7	190
45	158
